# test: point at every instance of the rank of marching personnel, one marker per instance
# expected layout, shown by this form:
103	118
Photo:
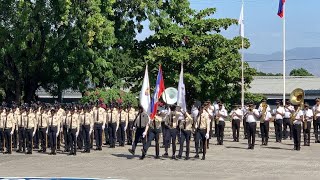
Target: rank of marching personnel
81	127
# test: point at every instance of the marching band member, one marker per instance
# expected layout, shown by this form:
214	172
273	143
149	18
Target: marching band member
112	125
186	127
202	132
251	119
244	121
154	129
296	130
316	126
286	120
221	115
278	113
236	115
264	127
308	116
139	124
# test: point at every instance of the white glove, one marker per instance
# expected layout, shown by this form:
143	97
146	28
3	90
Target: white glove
117	129
134	128
103	126
33	134
90	131
207	136
57	134
47	131
125	128
144	134
11	132
77	134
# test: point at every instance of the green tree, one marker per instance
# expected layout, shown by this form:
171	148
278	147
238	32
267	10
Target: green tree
212	63
300	72
260	73
54	44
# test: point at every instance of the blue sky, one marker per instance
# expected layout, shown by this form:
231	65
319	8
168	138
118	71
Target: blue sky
262	25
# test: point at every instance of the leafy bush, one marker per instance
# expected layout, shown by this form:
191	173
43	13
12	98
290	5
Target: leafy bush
109	96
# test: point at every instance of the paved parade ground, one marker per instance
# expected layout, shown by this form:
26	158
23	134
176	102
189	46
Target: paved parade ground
231	161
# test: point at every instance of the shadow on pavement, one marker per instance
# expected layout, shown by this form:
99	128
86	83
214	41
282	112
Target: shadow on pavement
128	156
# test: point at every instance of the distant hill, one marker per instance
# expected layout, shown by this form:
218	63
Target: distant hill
272	63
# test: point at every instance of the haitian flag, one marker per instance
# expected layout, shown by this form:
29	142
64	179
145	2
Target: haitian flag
281	10
157	93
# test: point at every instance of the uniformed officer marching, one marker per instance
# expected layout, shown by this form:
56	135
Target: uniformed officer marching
112	125
73	122
53	130
99	124
202	132
279	112
8	126
186	127
62	114
131	117
236	116
21	129
171	122
43	126
308	116
30	126
154	129
139	124
87	127
123	124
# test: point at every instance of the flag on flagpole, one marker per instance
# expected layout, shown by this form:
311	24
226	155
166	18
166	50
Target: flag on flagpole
280	10
144	96
157	93
181	92
241	22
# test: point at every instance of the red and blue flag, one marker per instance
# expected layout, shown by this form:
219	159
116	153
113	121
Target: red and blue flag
281	10
157	93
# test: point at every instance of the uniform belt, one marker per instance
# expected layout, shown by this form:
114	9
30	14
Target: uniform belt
42	127
98	122
53	126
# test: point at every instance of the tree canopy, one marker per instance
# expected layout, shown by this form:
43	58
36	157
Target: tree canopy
300	72
58	45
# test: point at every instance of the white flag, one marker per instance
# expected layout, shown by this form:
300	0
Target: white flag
182	92
241	22
145	92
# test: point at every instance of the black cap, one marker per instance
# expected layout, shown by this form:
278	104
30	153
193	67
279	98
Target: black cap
263	100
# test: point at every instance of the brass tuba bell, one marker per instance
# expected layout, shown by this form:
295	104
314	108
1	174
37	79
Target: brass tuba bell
297	97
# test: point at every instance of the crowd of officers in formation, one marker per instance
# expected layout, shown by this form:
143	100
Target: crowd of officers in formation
41	126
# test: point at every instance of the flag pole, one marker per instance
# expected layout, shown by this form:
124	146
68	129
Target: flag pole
242	62
284	54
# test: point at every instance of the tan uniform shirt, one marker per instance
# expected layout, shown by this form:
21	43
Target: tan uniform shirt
31	120
99	115
132	115
86	118
3	119
54	120
113	116
73	120
156	122
172	119
123	116
9	122
18	119
203	121
186	124
42	119
142	120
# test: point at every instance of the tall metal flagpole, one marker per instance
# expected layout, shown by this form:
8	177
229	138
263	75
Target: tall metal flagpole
242	62
284	54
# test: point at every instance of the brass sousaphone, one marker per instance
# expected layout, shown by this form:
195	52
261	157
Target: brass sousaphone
297	98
